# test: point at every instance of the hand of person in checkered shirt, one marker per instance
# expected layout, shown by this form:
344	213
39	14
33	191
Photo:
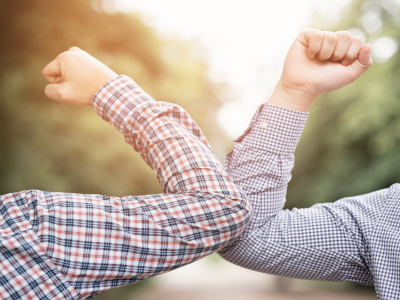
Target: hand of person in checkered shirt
75	76
319	62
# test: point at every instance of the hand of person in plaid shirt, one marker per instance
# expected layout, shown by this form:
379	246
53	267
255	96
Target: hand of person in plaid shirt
73	246
75	76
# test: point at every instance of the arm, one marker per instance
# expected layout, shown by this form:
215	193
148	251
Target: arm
324	242
317	63
97	242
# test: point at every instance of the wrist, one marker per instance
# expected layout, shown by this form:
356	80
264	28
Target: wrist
290	97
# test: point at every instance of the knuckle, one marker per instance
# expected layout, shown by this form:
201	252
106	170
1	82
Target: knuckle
74	49
344	35
67	56
357	40
330	37
317	35
314	48
63	55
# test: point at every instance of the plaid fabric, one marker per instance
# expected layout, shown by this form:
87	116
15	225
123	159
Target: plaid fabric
353	239
72	246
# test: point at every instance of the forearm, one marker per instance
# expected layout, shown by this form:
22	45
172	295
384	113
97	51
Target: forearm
326	242
262	158
173	145
317	243
260	163
311	244
93	242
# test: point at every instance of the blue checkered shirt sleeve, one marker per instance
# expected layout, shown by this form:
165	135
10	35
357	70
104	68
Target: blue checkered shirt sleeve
353	239
73	246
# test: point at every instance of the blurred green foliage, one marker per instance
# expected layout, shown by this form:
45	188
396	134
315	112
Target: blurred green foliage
351	143
52	146
56	147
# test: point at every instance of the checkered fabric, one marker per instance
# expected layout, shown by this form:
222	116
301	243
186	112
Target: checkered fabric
73	246
354	239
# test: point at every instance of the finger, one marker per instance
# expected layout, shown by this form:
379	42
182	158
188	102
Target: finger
52	71
343	43
79	51
312	39
364	56
56	92
353	51
328	46
52	91
75	49
58	79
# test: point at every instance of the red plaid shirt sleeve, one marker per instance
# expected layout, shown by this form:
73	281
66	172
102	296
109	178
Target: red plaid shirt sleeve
73	246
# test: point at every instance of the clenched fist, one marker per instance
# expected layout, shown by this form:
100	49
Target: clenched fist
319	62
75	76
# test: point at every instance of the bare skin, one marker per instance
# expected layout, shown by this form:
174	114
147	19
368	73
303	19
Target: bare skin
75	76
317	63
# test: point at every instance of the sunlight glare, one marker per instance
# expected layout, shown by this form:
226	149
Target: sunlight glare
245	42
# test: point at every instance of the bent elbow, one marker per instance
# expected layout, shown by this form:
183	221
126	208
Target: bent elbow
238	217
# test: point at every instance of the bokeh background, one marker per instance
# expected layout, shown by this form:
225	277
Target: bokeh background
219	60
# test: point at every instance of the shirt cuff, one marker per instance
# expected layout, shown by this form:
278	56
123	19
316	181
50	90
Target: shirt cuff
119	100
274	129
